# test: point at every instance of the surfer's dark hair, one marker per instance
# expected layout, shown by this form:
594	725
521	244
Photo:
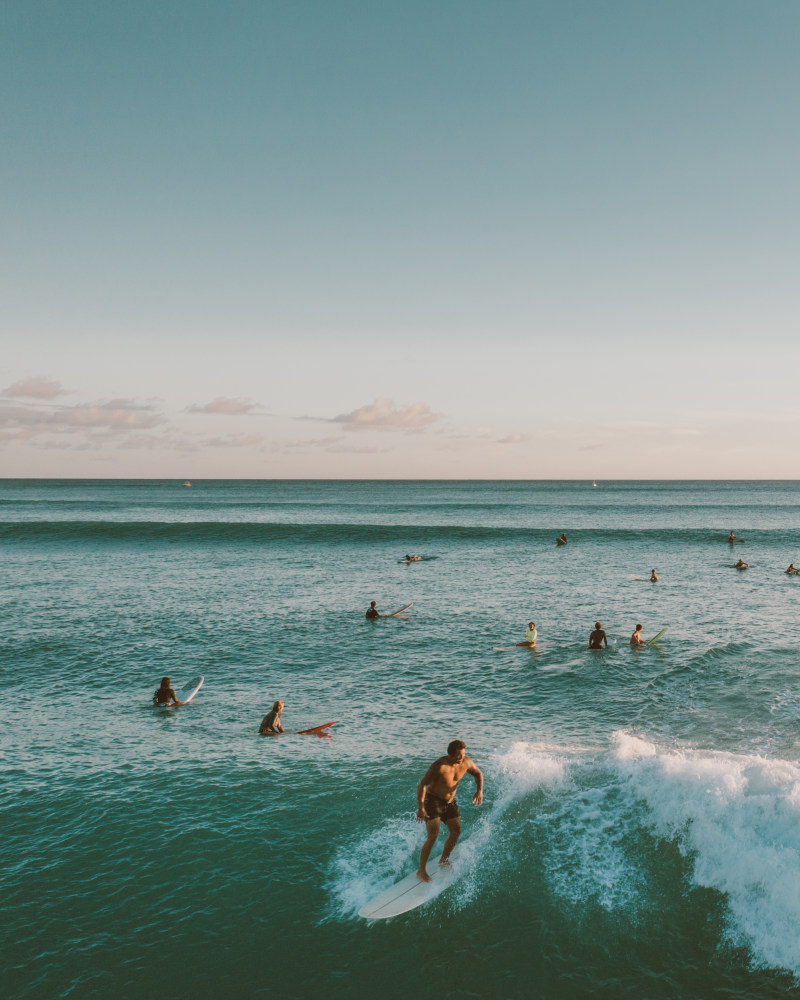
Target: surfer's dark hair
455	746
165	682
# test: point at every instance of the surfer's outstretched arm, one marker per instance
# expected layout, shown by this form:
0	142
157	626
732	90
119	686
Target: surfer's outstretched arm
477	774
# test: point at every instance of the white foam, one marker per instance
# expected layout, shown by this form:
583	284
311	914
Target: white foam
738	818
362	869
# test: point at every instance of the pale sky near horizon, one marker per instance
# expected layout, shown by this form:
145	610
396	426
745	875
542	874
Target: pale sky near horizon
411	239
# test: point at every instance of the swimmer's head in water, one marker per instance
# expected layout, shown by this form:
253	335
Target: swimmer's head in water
598	624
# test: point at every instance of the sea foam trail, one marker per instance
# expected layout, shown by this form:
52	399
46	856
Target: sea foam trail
738	818
363	869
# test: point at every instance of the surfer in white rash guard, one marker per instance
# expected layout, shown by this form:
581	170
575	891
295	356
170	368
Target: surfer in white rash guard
436	801
530	636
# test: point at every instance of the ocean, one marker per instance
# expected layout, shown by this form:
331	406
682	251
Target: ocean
640	833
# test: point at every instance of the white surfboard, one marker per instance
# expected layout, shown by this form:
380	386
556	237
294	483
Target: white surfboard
409	892
399	611
190	690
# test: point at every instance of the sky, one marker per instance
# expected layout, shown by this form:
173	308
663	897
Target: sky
451	239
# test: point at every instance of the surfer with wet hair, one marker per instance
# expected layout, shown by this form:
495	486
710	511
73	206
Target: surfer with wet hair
598	637
165	695
436	801
636	638
271	723
372	611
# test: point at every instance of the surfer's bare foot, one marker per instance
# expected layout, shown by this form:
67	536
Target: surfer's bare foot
444	861
423	876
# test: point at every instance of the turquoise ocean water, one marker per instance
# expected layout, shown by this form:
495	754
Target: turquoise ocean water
640	836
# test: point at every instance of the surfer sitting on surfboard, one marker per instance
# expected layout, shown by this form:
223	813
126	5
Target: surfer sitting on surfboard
271	723
792	571
653	576
372	611
165	695
530	636
436	801
562	539
636	638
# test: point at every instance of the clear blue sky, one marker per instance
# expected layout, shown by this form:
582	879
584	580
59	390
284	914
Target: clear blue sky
360	239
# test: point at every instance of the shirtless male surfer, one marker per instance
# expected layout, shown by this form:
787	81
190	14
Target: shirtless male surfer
436	801
598	637
636	638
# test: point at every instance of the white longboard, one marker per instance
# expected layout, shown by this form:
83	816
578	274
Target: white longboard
190	690
409	893
399	611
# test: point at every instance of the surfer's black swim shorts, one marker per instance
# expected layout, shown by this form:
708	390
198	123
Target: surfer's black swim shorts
437	808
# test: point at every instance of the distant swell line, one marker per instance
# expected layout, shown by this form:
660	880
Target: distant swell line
332	533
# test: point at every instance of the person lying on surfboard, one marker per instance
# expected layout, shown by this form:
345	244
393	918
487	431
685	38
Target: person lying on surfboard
741	565
436	801
413	558
530	636
165	695
636	638
271	723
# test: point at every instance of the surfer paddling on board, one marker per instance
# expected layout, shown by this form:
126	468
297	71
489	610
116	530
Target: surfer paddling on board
436	801
598	637
271	723
741	564
165	695
530	636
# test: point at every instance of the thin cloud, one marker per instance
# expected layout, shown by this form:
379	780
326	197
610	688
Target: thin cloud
225	405
514	439
35	388
117	416
383	415
234	441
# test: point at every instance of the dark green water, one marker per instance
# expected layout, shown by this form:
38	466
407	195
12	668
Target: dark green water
640	835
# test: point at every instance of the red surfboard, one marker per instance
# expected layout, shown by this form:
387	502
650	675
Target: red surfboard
315	729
